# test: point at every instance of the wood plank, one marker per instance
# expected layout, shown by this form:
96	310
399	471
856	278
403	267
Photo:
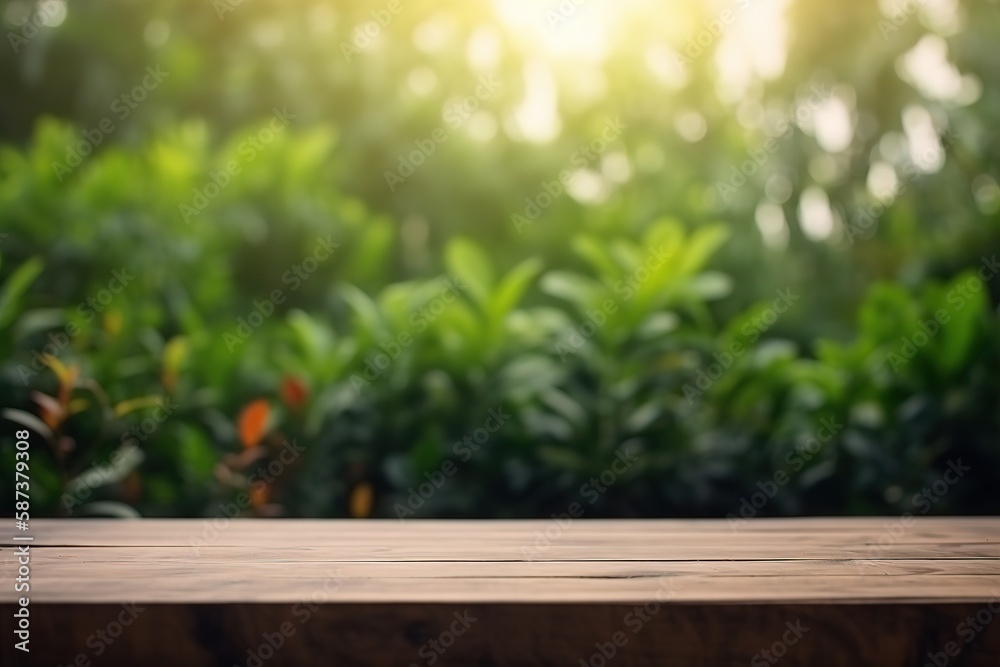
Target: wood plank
872	591
375	533
239	587
126	560
399	635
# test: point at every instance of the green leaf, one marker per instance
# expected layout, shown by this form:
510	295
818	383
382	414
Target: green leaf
369	317
197	454
562	458
593	250
314	340
710	286
16	286
700	247
566	406
958	333
467	263
513	286
577	289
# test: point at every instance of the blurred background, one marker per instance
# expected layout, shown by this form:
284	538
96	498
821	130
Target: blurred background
407	259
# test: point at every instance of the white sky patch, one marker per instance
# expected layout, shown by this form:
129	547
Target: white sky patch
435	33
536	118
575	30
156	33
815	215
927	68
882	181
662	62
483	48
52	12
833	125
616	167
588	187
942	16
690	125
755	44
987	194
770	219
925	149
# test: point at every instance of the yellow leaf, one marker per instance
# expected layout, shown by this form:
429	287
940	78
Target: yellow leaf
58	367
132	404
66	375
174	354
113	323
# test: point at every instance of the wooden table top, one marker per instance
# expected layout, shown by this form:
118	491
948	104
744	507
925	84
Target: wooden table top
762	561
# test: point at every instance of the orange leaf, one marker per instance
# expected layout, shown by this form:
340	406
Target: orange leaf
260	494
293	392
361	501
51	410
252	421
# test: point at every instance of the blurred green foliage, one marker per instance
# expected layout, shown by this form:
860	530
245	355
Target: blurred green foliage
216	295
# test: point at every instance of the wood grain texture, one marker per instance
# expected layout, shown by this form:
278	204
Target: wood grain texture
378	592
